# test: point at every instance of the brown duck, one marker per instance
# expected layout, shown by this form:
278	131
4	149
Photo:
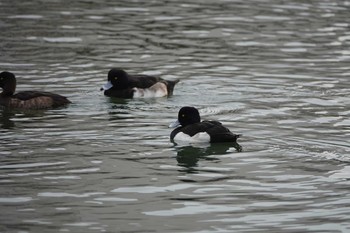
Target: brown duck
27	99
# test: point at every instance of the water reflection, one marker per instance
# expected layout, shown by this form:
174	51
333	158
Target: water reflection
5	119
117	101
9	116
189	156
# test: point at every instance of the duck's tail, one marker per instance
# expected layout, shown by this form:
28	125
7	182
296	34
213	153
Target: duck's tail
170	86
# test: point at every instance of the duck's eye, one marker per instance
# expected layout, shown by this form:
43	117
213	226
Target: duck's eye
183	115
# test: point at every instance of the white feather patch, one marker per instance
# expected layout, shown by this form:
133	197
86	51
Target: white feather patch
157	90
201	137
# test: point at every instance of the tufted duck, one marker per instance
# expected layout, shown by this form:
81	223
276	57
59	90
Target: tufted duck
123	85
190	128
27	99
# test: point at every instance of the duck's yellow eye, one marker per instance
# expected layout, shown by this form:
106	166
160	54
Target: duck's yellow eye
183	115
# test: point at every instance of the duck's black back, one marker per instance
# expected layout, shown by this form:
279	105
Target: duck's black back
219	133
142	81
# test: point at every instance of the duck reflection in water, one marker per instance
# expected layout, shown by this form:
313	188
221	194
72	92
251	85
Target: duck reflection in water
189	156
5	119
9	116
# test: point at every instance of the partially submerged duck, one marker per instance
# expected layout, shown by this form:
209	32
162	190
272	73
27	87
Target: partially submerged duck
120	84
27	99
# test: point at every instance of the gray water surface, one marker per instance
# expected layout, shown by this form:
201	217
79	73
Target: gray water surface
275	71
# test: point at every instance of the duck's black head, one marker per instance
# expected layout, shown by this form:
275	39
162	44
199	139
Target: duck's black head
188	116
7	83
118	78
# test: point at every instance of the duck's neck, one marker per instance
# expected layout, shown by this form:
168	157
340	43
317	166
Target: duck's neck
9	88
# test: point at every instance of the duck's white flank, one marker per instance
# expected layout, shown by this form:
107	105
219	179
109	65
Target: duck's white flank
157	90
201	137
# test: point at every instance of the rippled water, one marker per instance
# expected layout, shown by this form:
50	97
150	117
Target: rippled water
275	71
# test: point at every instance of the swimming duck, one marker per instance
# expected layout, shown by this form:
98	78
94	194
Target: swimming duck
191	129
26	99
123	85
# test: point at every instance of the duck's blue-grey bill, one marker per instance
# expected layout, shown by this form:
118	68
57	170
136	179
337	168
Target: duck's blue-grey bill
107	86
174	124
